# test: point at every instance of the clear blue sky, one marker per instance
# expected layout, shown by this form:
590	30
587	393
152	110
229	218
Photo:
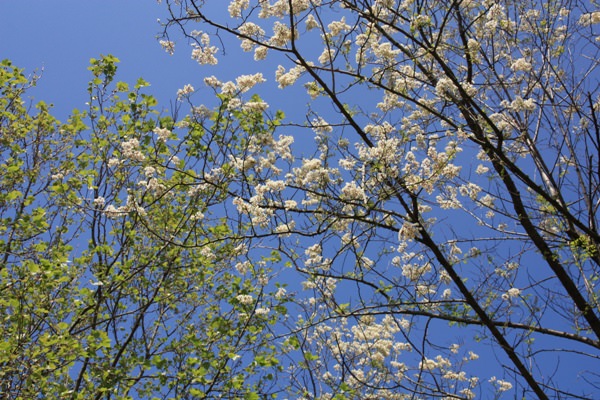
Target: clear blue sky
61	36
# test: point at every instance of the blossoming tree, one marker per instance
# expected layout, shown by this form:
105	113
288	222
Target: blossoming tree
117	277
450	207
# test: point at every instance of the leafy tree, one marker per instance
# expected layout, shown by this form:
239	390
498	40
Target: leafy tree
117	277
452	194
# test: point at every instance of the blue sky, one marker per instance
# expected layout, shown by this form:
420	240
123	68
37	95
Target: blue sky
61	36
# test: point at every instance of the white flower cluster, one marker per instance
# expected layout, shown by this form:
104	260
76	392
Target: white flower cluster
311	22
419	21
281	8
288	78
370	344
213	82
588	19
385	3
314	257
327	56
242	84
251	29
434	169
415	271
502	386
438	363
243	267
353	192
262	311
260	53
496	17
446	89
470	190
263	150
282	35
312	171
385	52
236	7
521	64
408	231
187	90
270	186
153	185
386	152
518	104
245	299
473	47
285	228
115	212
247	82
162	133
448	199
511	294
257	106
242	164
149	171
260	216
168	46
253	33
99	202
130	149
336	28
204	53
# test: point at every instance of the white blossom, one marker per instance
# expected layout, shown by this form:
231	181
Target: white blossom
247	82
243	267
162	133
311	22
288	78
204	53
281	292
236	6
588	19
260	53
245	298
338	27
502	385
168	46
187	90
262	311
520	104
212	82
131	149
521	64
513	292
149	171
113	212
99	202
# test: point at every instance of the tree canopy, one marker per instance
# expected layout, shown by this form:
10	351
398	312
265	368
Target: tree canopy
437	239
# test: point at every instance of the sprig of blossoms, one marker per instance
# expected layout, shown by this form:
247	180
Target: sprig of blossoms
162	133
131	149
187	90
588	19
288	78
204	53
236	7
247	82
168	46
502	386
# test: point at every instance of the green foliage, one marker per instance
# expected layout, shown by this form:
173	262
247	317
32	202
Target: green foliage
116	268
